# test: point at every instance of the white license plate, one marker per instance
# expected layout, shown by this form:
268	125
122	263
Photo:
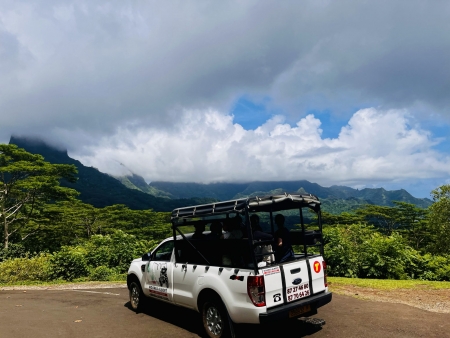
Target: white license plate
296	292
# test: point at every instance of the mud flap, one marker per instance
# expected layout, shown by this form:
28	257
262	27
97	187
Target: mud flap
231	324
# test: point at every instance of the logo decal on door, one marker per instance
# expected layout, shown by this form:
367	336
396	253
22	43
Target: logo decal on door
316	266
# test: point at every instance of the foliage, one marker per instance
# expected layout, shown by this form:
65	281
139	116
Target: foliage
440	220
383	217
13	251
434	268
115	251
360	251
103	257
26	182
69	263
413	222
25	269
345	218
386	257
341	247
70	223
101	273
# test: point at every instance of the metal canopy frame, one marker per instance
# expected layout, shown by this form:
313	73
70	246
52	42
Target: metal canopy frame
273	203
253	204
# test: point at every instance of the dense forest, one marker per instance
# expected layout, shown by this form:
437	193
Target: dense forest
50	234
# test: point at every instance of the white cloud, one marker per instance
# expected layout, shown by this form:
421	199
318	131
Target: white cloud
376	146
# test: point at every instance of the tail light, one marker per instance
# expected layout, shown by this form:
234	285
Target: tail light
256	290
324	265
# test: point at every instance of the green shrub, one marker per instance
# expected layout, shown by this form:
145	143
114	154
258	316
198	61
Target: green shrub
115	251
359	251
342	248
14	251
101	273
26	269
69	263
435	268
386	257
99	251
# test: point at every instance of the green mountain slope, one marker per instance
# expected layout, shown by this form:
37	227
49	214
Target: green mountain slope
333	195
138	183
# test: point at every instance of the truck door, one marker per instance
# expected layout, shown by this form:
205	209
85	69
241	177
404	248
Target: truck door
189	267
159	272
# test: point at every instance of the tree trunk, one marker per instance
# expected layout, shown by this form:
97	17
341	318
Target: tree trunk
5	233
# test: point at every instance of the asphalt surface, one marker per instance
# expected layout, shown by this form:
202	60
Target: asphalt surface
106	313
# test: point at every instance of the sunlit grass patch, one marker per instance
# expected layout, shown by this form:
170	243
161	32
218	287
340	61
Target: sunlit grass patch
385	284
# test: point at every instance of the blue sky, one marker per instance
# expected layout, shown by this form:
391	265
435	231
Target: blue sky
347	93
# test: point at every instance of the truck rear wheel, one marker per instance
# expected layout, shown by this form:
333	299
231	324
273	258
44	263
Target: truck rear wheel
215	318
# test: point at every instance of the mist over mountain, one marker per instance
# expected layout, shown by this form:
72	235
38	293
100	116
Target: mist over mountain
100	189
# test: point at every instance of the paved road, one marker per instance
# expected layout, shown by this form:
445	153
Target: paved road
106	313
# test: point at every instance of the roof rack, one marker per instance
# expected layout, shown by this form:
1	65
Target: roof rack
253	204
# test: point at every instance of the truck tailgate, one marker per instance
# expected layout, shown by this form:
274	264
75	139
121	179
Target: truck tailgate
297	283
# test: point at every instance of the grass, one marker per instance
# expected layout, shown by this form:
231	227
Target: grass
385	284
59	283
114	279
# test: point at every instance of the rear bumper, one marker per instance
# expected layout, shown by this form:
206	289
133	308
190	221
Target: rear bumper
282	312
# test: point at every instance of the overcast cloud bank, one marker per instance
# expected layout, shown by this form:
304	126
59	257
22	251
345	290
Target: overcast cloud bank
151	85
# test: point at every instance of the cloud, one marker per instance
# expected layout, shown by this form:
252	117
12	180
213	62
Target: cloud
96	65
374	147
158	79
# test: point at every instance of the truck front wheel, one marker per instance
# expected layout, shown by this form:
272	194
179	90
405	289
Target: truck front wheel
136	296
215	318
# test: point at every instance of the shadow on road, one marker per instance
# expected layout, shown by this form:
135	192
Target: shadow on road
191	321
186	319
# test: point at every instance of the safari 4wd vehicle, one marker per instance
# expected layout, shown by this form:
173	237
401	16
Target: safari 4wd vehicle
241	279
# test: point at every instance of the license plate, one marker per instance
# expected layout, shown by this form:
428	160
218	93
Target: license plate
296	292
300	310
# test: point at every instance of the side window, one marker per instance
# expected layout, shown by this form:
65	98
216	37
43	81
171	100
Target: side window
164	252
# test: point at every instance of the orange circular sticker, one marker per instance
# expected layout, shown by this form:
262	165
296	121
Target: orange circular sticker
316	266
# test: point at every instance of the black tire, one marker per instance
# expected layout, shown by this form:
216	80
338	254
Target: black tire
136	296
215	318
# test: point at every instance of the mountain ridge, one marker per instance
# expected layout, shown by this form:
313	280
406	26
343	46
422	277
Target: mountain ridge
224	191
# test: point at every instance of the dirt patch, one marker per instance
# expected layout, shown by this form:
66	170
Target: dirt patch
434	300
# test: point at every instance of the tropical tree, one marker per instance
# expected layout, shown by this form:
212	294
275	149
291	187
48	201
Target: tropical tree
345	218
413	222
383	218
27	183
440	220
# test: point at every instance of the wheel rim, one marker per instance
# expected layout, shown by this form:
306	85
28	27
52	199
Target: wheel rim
214	320
134	296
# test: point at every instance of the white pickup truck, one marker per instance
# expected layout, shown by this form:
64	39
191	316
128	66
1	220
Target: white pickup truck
247	274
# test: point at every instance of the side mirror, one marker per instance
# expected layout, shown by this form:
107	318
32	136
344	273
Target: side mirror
146	257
